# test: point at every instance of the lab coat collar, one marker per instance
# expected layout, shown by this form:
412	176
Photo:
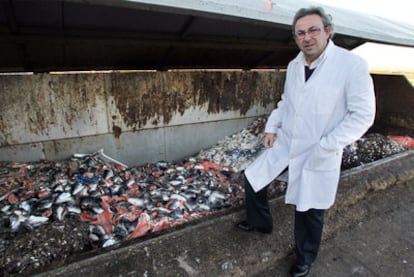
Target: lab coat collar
301	57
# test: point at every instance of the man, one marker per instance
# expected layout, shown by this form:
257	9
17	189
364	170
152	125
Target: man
327	103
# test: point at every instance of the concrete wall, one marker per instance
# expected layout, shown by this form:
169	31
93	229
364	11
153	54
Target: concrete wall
395	101
151	116
134	117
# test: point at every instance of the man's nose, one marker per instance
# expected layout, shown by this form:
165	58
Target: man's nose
307	36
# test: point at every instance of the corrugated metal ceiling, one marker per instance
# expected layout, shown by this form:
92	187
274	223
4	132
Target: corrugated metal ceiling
53	35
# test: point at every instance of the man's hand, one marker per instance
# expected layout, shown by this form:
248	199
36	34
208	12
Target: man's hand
269	140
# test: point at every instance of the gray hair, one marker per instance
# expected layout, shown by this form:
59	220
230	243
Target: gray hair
326	18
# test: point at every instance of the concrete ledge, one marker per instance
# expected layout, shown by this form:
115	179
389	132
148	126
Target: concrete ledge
213	247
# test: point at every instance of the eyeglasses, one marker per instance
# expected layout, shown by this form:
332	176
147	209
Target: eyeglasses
312	31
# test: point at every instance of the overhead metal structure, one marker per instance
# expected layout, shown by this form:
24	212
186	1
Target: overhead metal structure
56	35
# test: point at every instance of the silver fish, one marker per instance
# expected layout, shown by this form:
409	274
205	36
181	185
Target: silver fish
15	220
37	220
60	213
97	210
26	206
203	207
64	197
6	209
178	197
175	183
74	209
78	189
94	237
216	200
109	242
121	231
136	201
45	203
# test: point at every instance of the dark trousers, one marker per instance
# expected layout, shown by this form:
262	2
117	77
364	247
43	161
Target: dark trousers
257	207
308	225
308	234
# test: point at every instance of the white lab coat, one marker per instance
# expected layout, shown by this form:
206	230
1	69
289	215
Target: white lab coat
313	122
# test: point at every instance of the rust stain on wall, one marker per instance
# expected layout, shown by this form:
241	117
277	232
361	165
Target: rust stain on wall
153	97
117	131
45	106
49	107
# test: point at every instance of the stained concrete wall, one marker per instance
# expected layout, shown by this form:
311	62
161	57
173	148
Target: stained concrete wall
150	116
395	101
134	117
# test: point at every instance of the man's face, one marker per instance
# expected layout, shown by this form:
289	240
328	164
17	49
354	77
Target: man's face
311	36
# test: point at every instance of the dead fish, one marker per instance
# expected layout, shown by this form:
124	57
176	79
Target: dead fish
138	202
64	197
96	233
37	220
142	227
160	211
175	182
45	203
43	193
94	237
109	242
78	189
59	188
104	219
121	231
26	206
115	189
97	210
108	173
216	200
60	213
178	197
160	224
203	207
172	204
89	202
15	220
73	209
176	214
6	209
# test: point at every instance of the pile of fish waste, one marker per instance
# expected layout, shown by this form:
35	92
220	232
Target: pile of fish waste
238	150
370	148
115	202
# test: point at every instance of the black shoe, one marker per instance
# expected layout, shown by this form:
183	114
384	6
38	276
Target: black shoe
245	226
300	270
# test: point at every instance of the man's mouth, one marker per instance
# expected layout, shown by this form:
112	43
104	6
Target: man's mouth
308	46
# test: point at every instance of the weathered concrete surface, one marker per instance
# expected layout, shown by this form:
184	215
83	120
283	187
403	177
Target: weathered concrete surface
213	247
135	117
149	116
381	244
395	101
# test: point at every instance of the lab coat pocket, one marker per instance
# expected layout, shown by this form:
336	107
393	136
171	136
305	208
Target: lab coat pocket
323	160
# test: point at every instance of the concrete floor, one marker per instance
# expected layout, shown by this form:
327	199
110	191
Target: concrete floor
380	245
